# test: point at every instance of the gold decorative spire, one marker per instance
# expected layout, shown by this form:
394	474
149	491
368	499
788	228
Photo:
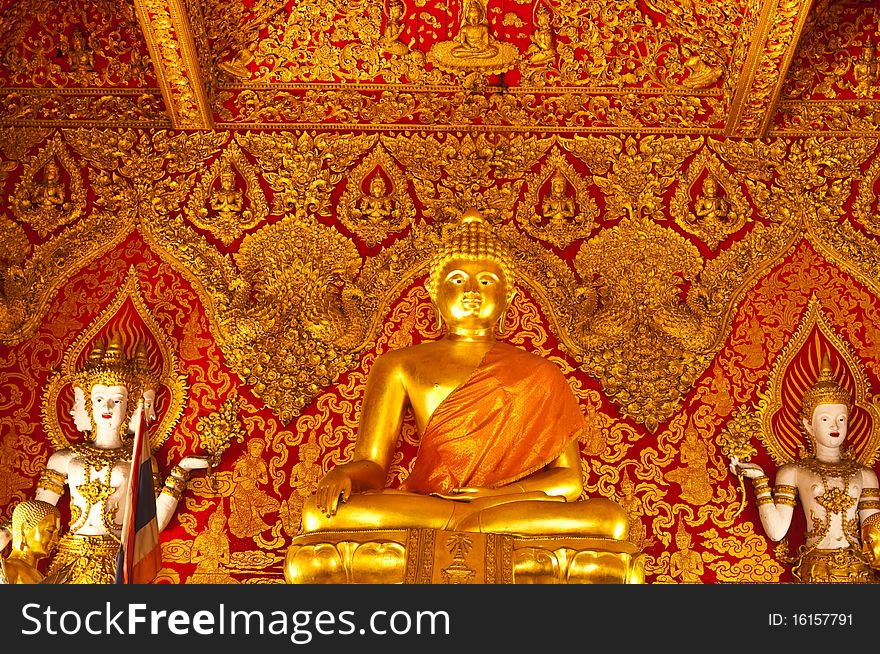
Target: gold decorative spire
826	390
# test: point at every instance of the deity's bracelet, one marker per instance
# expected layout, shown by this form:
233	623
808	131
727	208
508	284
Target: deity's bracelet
180	473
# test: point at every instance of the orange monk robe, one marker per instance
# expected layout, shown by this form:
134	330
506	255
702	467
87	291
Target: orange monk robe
514	415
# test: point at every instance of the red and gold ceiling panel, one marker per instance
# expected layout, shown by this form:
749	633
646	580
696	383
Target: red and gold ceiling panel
833	84
69	62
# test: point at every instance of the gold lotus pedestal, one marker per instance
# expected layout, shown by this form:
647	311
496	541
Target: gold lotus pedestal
430	556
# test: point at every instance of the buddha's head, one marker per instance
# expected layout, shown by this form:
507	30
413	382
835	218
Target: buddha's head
255	447
227	179
825	409
217	521
475	13
470	280
710	186
309	451
36	527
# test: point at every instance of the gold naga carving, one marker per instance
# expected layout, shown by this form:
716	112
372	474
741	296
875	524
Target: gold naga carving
43	197
146	181
219	206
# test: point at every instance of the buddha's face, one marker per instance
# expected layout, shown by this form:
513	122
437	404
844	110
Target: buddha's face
78	412
471	294
43	536
109	406
829	425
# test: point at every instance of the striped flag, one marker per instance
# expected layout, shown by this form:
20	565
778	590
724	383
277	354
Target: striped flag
139	556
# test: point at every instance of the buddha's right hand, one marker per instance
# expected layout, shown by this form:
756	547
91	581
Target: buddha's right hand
334	488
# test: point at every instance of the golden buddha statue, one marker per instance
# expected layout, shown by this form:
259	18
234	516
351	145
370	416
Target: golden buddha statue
475	39
837	494
36	527
498	426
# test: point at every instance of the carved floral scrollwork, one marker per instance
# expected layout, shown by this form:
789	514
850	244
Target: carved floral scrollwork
632	173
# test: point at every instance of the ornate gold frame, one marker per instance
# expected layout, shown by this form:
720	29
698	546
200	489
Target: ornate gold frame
169	376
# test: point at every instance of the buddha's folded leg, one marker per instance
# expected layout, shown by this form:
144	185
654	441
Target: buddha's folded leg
596	517
387	510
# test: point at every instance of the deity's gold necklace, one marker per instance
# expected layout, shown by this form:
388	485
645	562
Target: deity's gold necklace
97	491
833	500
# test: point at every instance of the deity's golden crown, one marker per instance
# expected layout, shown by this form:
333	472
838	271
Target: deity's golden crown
472	239
826	390
111	367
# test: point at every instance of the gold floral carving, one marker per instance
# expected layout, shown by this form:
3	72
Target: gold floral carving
710	219
282	295
42	198
563	228
219	429
304	169
632	173
220	215
100	48
173	382
521	109
454	173
368	207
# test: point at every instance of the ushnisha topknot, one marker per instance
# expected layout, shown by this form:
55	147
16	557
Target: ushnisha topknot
826	390
472	240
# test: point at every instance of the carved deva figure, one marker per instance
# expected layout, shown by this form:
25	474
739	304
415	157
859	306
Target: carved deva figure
95	473
836	492
498	426
36	527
